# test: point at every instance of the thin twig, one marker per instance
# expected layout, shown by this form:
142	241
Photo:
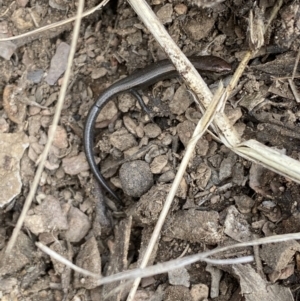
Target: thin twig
182	262
296	64
175	263
291	80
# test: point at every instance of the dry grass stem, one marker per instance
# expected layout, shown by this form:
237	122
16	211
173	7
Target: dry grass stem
175	263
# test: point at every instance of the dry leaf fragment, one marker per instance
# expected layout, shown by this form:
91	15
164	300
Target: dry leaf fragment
14	108
256	29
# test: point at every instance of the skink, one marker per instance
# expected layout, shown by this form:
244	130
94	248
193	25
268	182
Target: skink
139	79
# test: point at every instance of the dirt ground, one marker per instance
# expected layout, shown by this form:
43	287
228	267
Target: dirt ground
223	199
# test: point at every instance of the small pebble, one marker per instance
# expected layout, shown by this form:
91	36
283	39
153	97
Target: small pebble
35	76
166	177
158	164
180	9
244	203
152	130
136	178
179	277
165	13
199	292
98	72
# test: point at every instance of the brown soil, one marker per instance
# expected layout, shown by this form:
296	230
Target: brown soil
223	199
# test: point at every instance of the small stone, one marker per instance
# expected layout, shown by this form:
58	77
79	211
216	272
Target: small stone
108	112
179	277
178	293
21	18
215	199
88	250
167	139
22	3
75	165
140	131
202	175
34	111
58	63
216	275
168	94
4	126
236	225
215	160
109	167
46	217
182	189
80	60
98	72
185	132
158	164
198	30
7	48
278	255
60	137
47	238
116	182
194	226
51	165
199	292
135	39
136	178
180	9
35	76
238	176
131	152
152	130
233	114
7	285
165	13
258	288
166	177
126	102
122	140
147	281
148	208
181	101
22	254
240	128
35	149
244	203
283	274
12	148
130	124
79	225
226	168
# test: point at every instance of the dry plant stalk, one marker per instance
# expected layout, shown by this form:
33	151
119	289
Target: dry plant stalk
175	263
251	150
